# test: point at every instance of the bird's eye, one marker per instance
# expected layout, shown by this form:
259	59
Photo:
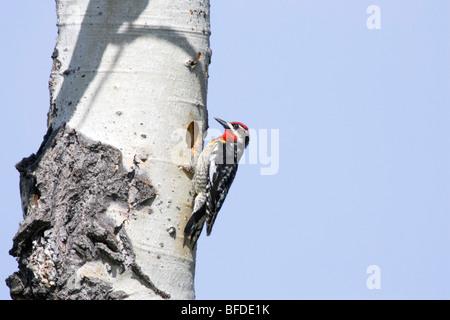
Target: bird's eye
235	126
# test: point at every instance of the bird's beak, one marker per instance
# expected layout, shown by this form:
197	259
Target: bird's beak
223	123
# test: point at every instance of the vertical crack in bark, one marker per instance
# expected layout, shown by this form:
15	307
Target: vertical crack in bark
66	190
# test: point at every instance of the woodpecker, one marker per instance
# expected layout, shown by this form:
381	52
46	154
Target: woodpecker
214	173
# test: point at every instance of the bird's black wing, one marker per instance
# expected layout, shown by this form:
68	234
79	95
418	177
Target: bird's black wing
217	190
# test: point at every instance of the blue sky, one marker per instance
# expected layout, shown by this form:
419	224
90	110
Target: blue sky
364	159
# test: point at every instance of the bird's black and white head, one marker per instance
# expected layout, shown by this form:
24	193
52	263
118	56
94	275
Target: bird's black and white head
235	131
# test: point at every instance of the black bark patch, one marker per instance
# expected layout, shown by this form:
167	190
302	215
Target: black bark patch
66	189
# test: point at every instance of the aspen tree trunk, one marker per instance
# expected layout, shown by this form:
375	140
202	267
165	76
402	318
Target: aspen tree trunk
104	199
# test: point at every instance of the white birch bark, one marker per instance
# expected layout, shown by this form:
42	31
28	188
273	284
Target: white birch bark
132	74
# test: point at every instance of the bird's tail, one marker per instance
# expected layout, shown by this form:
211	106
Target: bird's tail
194	227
